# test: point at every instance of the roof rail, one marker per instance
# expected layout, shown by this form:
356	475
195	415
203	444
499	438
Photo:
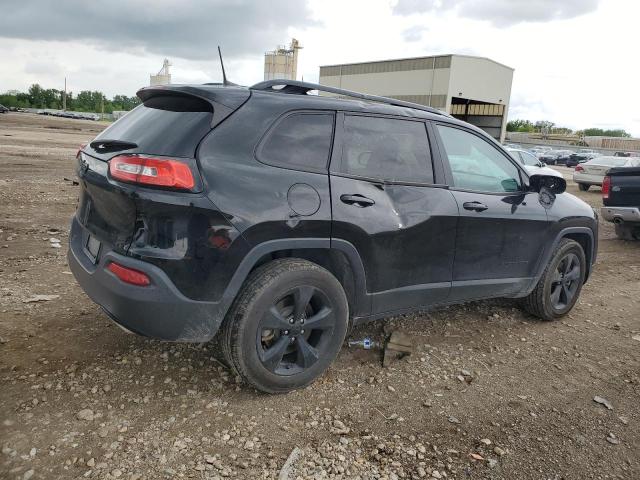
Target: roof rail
302	88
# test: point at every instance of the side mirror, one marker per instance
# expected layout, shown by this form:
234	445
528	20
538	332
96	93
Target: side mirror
552	183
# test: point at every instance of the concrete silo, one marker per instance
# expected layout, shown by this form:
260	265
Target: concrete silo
282	62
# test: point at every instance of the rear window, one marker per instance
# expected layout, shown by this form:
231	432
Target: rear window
168	125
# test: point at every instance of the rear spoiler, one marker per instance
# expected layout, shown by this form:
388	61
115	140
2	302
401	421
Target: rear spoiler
224	100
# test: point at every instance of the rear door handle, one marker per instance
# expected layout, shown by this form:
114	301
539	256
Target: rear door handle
357	199
475	206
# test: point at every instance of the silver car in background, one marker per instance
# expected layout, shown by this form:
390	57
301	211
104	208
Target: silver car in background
593	171
531	163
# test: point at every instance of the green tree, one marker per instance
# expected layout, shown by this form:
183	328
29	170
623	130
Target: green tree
599	132
520	126
36	96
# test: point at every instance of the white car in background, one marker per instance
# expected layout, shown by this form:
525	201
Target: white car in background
531	163
592	172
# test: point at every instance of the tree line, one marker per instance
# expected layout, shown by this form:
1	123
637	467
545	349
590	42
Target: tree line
550	127
85	101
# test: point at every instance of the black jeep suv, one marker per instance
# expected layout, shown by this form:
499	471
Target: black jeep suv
272	220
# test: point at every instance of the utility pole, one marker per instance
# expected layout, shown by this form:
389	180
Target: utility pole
102	104
64	96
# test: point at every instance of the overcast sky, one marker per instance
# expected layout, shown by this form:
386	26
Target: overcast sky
576	61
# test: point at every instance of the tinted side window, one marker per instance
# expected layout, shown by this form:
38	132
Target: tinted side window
301	141
386	148
476	164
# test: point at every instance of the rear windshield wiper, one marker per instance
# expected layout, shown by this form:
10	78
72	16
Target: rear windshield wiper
106	146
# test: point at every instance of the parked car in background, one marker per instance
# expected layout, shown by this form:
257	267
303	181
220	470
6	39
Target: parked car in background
621	199
531	163
3	109
280	219
555	157
592	172
580	157
563	156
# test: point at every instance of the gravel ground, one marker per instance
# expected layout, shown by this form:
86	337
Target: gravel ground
489	393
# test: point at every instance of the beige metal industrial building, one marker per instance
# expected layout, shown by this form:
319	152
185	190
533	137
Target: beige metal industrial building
474	89
282	62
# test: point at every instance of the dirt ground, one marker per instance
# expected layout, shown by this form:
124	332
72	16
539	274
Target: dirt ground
490	392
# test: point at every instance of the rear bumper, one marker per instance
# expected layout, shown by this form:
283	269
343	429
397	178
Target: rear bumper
158	310
588	179
624	214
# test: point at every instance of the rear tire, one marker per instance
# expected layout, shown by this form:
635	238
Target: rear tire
286	326
627	232
560	284
583	187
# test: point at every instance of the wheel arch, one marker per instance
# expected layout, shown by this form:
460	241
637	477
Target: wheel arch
585	239
337	256
583	235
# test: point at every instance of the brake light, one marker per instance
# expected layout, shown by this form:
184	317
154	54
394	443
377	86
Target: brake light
579	168
160	172
129	275
606	187
80	148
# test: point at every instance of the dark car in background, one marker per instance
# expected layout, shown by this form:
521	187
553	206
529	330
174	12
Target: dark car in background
271	221
580	157
3	109
555	157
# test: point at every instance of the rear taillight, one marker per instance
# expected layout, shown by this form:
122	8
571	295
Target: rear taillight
129	275
606	187
579	168
80	148
159	172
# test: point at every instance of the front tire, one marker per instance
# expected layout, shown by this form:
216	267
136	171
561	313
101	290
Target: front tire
286	326
583	187
560	284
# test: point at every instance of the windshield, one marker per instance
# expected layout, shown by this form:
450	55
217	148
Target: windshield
529	159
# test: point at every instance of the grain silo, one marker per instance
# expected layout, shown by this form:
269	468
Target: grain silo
282	62
163	77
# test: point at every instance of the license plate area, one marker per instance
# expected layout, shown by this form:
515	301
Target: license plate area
92	248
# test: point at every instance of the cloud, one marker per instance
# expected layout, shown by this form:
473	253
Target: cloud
190	30
501	12
40	67
414	34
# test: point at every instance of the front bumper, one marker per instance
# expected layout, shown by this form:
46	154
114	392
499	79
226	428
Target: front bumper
158	310
625	214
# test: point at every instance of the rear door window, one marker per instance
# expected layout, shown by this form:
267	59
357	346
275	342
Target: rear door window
387	149
167	125
300	141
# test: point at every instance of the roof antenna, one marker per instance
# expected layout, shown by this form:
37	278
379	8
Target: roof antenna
225	82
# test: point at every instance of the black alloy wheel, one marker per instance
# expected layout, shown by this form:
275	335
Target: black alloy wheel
296	331
564	284
286	326
559	286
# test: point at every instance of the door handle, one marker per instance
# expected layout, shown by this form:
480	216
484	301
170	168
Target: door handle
357	199
475	206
